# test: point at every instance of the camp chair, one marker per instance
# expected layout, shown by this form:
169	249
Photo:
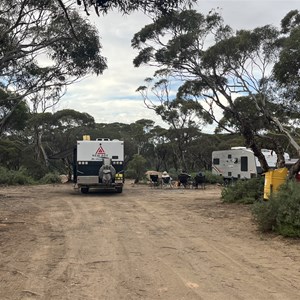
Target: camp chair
199	180
183	180
166	182
154	181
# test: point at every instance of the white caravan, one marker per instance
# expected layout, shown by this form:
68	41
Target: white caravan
240	162
99	164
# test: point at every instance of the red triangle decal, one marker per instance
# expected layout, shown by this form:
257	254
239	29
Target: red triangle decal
100	151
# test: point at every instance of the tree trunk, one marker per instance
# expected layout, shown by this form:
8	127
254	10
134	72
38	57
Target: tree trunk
252	144
280	157
45	157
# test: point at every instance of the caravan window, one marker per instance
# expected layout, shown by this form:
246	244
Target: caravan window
244	163
216	161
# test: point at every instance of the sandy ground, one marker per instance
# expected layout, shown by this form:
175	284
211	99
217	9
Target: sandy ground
145	243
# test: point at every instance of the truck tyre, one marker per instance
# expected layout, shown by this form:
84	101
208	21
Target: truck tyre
119	189
84	190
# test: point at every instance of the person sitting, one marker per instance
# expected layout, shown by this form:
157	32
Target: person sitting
183	179
154	181
199	180
166	179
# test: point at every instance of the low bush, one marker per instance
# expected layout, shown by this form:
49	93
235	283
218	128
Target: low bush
281	213
129	174
50	178
35	169
244	191
10	177
265	214
213	178
209	177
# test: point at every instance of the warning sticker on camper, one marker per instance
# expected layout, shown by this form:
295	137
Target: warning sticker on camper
99	153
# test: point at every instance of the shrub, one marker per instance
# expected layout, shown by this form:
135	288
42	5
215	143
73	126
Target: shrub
10	177
137	167
265	214
209	177
282	212
173	173
51	178
35	169
213	178
244	191
129	173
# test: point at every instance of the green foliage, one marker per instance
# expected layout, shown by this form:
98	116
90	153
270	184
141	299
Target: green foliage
137	167
9	177
130	174
21	177
244	191
287	68
50	178
126	7
282	212
264	214
290	21
173	173
70	55
14	111
10	153
248	110
35	169
213	178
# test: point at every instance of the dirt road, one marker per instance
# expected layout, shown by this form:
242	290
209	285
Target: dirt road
56	243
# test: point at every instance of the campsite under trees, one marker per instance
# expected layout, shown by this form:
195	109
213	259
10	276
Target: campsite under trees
251	75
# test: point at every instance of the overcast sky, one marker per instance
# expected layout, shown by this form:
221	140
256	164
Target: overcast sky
111	97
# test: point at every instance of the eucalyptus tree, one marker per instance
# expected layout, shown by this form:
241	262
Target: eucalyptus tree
162	149
185	117
216	65
140	133
257	122
11	153
13	142
40	54
68	126
16	121
51	133
287	69
287	76
126	7
138	166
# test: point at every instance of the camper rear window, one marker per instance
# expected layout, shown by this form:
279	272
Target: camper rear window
244	163
216	161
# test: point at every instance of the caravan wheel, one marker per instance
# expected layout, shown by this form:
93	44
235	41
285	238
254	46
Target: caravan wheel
84	190
119	189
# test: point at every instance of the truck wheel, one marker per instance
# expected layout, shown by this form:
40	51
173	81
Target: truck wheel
119	189
84	190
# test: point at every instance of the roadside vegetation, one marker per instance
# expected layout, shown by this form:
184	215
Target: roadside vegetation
244	191
281	213
21	177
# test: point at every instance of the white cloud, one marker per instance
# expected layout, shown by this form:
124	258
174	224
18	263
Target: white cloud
111	97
